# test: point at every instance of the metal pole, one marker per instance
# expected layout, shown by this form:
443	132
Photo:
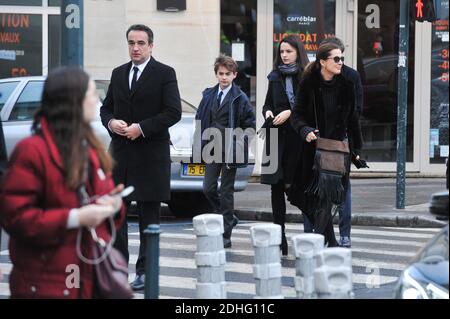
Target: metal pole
152	262
72	33
402	101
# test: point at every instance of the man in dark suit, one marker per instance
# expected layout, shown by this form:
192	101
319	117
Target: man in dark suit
142	102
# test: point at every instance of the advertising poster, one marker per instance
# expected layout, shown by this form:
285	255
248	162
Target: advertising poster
439	84
312	21
20	45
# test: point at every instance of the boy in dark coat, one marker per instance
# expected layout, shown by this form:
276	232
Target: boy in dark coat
223	112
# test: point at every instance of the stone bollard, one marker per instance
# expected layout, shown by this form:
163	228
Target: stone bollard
333	278
210	257
306	248
266	239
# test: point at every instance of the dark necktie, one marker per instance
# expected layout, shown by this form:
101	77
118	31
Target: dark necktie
133	81
219	98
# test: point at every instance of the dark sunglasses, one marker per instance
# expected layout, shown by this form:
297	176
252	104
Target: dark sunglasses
337	59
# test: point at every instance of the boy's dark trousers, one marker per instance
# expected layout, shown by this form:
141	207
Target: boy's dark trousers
223	200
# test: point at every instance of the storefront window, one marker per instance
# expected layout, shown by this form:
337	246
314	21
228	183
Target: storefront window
21	45
54	41
238	40
54	3
20	2
439	85
378	25
312	21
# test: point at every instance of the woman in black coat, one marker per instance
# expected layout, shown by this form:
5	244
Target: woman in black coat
325	105
283	84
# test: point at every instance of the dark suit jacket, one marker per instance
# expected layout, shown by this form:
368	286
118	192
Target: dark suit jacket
155	104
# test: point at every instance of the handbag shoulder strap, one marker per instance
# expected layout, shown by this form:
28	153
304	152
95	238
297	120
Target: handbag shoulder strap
315	110
97	241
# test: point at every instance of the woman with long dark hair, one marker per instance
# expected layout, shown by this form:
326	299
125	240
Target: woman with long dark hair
48	191
325	106
289	63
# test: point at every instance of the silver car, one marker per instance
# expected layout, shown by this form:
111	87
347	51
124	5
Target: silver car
21	97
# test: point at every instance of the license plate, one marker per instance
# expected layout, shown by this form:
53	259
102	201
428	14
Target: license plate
193	170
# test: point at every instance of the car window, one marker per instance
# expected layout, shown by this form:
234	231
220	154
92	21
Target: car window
102	88
6	88
29	101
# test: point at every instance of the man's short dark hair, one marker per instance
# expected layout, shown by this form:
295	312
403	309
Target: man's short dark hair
227	62
141	27
335	40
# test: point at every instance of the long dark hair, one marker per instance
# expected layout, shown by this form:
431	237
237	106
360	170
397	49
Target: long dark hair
322	54
62	107
302	57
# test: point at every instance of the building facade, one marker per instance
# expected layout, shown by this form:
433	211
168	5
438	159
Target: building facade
189	35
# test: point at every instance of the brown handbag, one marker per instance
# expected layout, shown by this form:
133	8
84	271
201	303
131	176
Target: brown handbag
331	164
110	267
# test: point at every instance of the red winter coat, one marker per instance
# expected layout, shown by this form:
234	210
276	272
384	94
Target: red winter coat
34	208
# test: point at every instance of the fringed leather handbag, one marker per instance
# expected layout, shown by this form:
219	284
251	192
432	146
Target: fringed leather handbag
331	163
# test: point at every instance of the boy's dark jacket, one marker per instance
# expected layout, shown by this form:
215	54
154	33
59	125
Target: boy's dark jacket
240	115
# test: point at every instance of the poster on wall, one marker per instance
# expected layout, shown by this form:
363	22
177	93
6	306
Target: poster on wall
312	21
20	45
439	84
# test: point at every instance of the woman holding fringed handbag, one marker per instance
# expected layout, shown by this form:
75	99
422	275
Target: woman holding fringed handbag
289	64
325	107
40	203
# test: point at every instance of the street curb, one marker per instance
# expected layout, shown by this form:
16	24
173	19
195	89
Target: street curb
366	219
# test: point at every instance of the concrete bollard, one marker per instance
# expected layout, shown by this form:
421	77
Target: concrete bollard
266	239
210	257
333	278
306	248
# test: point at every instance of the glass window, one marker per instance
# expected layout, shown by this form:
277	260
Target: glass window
29	101
238	40
378	24
54	41
311	22
6	88
439	85
20	2
21	44
54	3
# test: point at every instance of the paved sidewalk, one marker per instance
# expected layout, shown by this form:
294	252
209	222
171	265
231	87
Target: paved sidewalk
373	203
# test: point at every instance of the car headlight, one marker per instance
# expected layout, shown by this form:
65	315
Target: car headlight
410	288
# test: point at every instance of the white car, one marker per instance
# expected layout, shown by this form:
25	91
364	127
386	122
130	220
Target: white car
21	97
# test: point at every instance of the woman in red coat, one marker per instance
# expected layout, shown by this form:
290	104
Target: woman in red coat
49	175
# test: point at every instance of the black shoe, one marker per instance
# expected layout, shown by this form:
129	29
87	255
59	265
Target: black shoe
138	283
284	245
226	243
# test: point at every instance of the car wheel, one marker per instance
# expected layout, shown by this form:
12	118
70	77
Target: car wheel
189	204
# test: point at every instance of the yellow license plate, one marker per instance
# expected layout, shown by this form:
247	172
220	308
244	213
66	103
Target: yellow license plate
193	170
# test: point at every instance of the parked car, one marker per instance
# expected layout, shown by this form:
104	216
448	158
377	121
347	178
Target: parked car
21	97
426	277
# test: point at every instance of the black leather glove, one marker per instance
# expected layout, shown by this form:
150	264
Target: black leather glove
359	163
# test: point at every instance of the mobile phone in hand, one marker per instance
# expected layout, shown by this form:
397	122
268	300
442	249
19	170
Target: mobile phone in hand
126	191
